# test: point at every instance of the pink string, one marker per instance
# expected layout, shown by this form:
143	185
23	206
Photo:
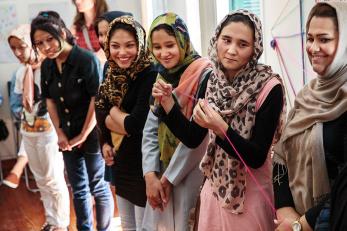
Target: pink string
268	200
308	71
279	54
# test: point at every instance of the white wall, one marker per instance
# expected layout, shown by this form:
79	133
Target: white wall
25	11
201	19
282	18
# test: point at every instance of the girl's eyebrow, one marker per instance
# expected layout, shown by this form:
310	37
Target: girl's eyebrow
228	37
321	34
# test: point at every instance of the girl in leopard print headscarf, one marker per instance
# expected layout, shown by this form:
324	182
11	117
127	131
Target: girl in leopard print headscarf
244	104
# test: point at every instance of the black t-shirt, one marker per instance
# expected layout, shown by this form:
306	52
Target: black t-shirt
72	89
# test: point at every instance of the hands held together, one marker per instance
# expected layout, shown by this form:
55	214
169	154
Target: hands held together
207	117
158	191
67	145
162	92
203	113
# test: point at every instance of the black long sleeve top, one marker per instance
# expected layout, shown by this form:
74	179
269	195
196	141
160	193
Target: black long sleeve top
127	168
254	151
335	148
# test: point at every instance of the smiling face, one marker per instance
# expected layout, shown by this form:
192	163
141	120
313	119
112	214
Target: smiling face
165	48
47	44
123	48
321	43
235	47
20	49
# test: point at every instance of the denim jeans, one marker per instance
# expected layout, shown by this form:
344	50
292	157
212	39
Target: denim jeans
86	175
130	214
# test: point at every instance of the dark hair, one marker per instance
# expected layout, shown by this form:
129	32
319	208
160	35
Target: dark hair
108	17
100	8
125	27
322	10
50	22
238	18
164	27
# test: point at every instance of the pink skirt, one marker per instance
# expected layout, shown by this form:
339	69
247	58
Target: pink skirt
258	214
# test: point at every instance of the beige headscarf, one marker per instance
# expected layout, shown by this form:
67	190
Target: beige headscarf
301	146
22	32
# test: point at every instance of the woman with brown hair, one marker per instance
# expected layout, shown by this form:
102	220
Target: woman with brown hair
83	25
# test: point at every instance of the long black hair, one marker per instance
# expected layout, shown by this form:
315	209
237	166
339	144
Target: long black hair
50	22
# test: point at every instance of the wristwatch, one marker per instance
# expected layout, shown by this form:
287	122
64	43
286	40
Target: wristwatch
296	226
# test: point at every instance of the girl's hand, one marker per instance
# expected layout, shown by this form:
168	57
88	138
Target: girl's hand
154	191
77	141
205	116
115	110
162	92
108	154
167	186
285	218
63	142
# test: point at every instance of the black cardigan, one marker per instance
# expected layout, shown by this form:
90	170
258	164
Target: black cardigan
127	168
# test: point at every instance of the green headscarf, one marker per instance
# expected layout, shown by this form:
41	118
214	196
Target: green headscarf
167	141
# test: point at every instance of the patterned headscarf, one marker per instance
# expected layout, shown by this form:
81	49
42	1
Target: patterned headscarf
187	51
167	141
235	100
117	78
115	86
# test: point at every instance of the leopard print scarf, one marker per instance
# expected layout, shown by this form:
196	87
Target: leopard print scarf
115	85
235	100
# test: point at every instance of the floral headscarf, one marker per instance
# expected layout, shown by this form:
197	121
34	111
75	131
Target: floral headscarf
187	51
167	141
235	100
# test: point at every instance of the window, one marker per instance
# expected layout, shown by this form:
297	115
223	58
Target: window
152	8
251	5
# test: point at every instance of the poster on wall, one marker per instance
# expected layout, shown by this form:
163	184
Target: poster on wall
8	21
62	8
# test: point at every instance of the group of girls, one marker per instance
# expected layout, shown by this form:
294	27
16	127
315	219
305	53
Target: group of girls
168	121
